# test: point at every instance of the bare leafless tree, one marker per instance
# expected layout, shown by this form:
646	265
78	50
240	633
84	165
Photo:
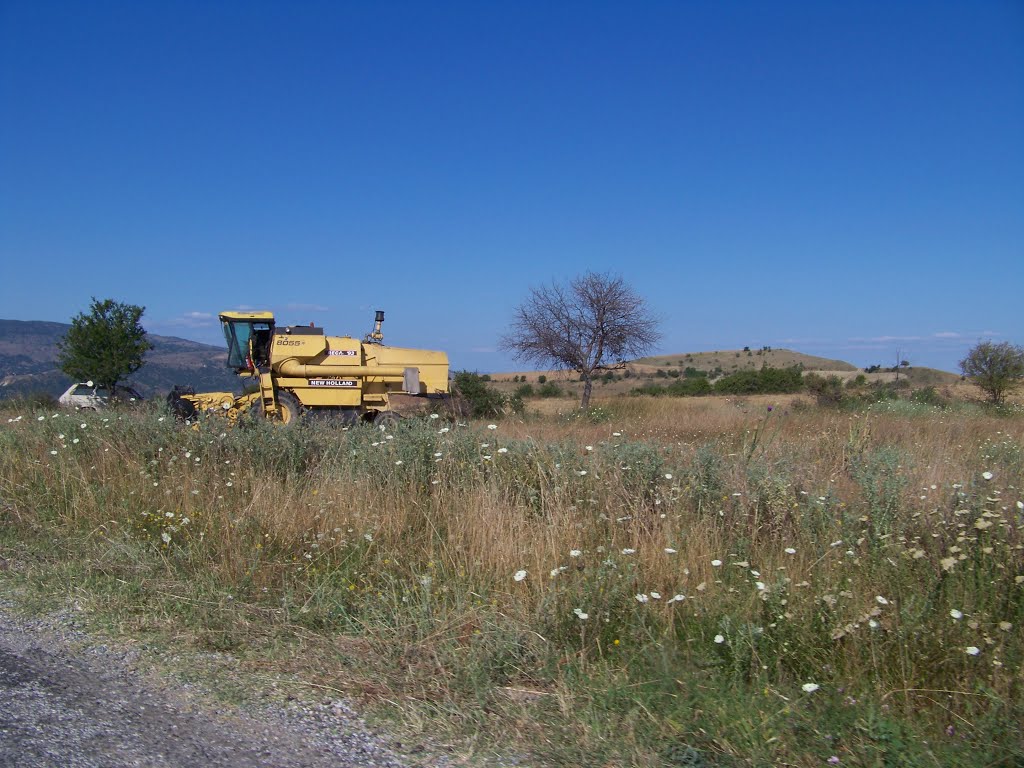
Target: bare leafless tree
591	324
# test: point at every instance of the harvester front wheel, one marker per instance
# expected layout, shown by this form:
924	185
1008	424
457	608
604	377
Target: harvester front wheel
183	410
288	409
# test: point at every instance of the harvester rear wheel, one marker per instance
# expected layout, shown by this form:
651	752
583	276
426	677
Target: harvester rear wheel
385	420
288	408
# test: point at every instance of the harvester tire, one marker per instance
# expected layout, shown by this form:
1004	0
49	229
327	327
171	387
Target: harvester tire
183	410
385	420
289	410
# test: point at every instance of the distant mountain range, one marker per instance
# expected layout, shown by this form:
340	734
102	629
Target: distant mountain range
28	363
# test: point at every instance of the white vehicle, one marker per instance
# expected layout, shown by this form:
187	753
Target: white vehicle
86	395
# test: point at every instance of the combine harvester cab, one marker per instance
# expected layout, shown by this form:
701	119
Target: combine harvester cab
299	371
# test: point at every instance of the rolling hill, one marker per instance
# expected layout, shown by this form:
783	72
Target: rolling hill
720	363
28	363
730	361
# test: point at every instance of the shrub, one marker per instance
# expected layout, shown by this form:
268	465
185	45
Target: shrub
549	389
929	396
767	380
542	379
828	391
484	401
678	388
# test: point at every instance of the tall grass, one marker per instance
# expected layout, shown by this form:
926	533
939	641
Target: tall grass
654	583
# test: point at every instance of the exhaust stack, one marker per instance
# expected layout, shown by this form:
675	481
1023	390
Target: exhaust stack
376	337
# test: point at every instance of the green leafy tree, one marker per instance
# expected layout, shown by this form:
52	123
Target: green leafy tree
106	345
995	368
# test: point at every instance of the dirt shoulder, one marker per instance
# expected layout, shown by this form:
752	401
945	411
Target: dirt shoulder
67	700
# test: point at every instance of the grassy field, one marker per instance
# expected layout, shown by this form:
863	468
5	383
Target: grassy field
657	582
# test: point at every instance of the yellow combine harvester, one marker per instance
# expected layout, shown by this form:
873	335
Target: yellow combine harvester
299	370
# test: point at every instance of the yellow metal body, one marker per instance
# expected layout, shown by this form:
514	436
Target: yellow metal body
225	404
301	369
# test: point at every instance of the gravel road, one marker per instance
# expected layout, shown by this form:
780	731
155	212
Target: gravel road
69	702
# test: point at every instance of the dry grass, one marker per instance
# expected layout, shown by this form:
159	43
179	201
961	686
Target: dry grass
806	545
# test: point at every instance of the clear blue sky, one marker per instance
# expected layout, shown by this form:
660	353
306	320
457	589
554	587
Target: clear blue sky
839	178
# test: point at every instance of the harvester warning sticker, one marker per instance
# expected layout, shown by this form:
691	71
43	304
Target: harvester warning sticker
341	353
333	383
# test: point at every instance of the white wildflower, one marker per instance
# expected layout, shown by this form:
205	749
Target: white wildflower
519	575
